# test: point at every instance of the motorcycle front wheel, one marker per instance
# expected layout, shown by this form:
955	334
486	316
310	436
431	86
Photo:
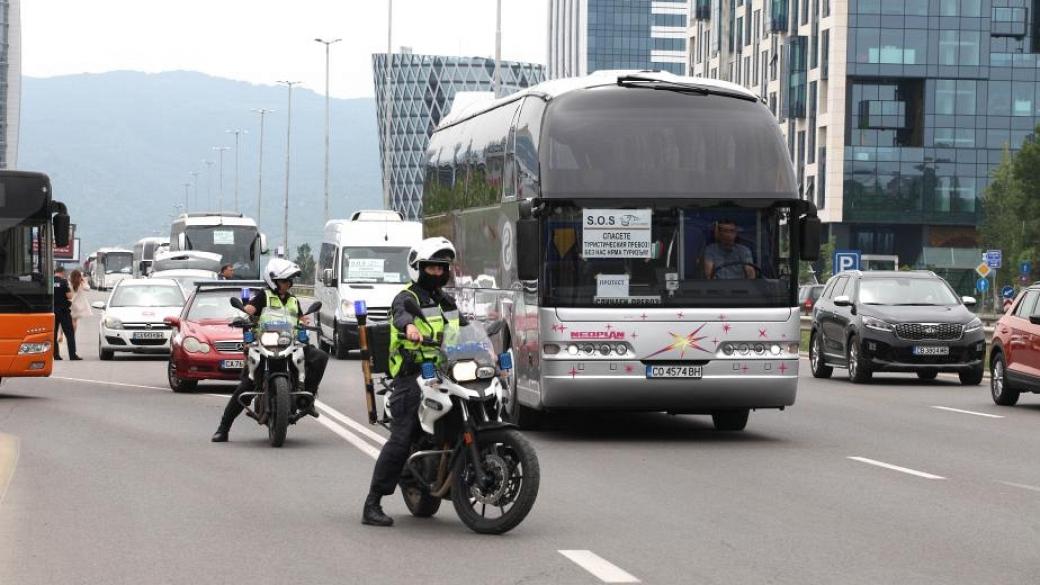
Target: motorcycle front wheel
278	419
511	463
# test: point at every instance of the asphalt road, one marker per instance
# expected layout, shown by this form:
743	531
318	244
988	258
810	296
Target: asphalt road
111	478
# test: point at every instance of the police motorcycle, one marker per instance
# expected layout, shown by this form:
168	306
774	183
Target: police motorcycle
466	450
274	359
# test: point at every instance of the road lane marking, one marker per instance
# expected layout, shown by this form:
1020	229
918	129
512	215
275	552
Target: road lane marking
8	461
600	567
896	468
87	381
350	437
968	412
346	420
1021	485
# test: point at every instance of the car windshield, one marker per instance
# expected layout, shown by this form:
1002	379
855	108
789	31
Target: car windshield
216	304
375	265
147	295
906	292
119	263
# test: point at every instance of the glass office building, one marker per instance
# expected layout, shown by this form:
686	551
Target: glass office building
591	35
422	91
895	111
10	81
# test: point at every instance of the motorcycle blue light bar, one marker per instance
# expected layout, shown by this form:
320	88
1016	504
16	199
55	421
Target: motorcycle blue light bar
360	308
247	293
428	371
247	336
301	335
505	361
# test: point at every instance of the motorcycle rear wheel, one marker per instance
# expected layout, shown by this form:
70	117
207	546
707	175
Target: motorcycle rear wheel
512	462
278	419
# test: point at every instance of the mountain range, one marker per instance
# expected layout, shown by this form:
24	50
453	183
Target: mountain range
119	148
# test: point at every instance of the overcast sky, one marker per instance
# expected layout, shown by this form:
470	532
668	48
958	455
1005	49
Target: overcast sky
262	41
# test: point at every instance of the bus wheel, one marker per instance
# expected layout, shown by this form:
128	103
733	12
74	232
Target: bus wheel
730	420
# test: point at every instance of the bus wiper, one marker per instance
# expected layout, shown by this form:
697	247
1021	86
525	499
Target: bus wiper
680	87
7	291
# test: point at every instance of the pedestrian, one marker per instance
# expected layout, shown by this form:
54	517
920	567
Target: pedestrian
227	272
63	314
80	303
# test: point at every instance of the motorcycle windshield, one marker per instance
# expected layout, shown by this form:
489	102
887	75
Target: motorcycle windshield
468	342
276	319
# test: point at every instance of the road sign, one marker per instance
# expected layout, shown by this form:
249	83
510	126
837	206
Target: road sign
982	285
994	258
846	260
1025	267
1008	292
983	270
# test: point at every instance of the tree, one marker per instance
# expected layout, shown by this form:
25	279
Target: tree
305	260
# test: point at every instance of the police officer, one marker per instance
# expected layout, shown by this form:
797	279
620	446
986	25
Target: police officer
278	275
63	314
420	311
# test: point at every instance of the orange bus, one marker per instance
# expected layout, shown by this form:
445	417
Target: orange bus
31	223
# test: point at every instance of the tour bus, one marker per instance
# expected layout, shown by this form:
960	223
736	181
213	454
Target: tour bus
88	269
637	233
32	222
232	235
111	266
144	253
362	258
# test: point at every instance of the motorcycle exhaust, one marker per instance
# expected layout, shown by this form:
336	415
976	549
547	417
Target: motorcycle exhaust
361	312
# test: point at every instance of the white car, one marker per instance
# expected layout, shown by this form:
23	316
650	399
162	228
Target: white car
133	316
186	277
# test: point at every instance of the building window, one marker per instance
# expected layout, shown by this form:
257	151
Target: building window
999	102
826	12
955	97
811	147
893	46
739	33
805	12
702	10
959	47
960	7
885	113
797	77
825	53
778	16
1010	22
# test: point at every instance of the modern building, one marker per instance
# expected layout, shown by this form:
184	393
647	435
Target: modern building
10	81
895	111
423	88
591	35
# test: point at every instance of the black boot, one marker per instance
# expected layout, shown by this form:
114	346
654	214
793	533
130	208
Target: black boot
313	408
373	514
221	435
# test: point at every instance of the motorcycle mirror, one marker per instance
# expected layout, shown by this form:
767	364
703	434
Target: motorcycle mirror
237	303
314	308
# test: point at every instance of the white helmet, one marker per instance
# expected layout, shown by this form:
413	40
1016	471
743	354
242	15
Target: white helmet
280	269
436	250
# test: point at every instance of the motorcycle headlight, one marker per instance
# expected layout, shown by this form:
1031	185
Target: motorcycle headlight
284	339
193	345
464	371
485	372
113	323
973	325
877	324
269	338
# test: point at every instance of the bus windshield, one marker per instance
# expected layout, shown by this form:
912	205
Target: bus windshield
119	263
679	255
375	265
24	282
239	245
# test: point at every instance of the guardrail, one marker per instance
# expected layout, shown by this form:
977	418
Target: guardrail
807	325
303	290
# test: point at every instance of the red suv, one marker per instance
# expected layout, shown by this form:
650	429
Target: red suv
1014	360
204	347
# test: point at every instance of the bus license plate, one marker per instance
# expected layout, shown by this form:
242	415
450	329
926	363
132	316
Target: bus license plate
148	335
931	350
674	371
232	364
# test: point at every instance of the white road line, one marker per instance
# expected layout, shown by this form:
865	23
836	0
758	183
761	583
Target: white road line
8	462
344	419
1031	488
896	468
109	383
603	569
350	437
968	412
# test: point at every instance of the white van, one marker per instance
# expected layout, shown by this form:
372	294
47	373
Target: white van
361	259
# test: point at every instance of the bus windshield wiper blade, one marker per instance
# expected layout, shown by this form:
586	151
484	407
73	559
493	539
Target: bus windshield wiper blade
676	86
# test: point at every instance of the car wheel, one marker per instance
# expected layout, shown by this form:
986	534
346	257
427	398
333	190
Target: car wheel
104	354
817	364
1002	392
322	344
971	376
339	346
927	374
177	384
859	372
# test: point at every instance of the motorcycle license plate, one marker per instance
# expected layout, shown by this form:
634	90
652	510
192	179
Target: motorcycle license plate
232	364
674	371
931	350
148	335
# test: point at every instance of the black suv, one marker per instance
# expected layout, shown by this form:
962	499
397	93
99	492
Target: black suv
896	322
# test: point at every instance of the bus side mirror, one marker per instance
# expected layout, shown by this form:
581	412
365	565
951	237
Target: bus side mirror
61	229
811	228
528	263
327	278
182	241
263	244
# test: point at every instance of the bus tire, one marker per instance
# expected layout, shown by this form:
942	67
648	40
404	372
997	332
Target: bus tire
730	420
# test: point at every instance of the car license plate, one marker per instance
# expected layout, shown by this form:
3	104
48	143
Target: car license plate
148	335
674	371
232	364
931	350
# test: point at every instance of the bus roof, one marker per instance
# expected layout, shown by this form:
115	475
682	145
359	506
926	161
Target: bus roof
215	218
154	239
112	250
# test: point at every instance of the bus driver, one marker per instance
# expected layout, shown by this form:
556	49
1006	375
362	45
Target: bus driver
725	258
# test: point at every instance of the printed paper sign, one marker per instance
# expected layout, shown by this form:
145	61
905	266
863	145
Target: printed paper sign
365	268
613	286
616	233
223	238
392	277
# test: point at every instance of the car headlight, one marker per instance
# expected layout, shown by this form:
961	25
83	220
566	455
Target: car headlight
270	338
973	325
113	323
27	348
877	324
464	371
193	345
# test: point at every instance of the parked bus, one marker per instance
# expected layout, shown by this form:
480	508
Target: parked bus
638	233
144	254
32	224
232	235
111	266
88	269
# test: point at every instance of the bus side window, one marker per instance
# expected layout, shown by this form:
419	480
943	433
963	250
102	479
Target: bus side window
528	133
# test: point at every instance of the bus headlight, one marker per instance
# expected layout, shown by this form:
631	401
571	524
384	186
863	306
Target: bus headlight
31	348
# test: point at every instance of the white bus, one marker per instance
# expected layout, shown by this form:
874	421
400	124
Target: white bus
638	233
361	258
111	266
232	235
144	253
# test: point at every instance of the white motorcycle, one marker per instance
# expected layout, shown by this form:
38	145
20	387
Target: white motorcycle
466	451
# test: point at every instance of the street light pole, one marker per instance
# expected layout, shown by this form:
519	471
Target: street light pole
288	149
220	183
498	49
236	132
195	181
327	44
186	187
209	181
260	165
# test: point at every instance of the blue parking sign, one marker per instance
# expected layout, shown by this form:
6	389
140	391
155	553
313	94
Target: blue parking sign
846	260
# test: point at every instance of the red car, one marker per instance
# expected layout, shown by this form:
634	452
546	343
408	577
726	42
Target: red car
1014	360
203	346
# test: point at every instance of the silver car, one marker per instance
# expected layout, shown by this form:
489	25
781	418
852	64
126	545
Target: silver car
133	316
